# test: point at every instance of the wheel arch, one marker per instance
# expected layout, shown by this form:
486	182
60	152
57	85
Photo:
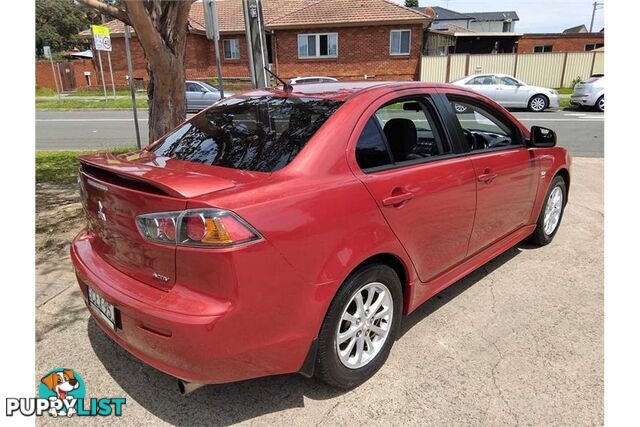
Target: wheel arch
564	173
546	97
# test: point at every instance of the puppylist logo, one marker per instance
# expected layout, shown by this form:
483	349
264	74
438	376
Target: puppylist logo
62	392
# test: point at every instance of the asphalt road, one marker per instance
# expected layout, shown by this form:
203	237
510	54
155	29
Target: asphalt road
517	342
582	133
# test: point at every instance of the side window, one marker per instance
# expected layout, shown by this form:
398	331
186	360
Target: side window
371	151
482	130
409	134
192	87
506	81
481	80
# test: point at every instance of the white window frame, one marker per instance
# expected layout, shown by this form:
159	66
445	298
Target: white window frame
237	50
391	42
543	46
317	36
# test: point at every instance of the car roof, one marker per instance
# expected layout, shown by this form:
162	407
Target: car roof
340	91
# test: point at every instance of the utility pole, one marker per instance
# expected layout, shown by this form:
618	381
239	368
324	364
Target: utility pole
596	6
213	33
127	47
256	42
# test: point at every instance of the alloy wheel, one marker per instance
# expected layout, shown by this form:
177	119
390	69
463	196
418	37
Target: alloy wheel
552	211
364	325
601	104
538	103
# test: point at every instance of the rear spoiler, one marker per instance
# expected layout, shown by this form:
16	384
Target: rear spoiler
162	174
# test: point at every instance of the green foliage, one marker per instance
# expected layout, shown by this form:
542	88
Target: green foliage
45	91
61	167
58	23
411	3
575	81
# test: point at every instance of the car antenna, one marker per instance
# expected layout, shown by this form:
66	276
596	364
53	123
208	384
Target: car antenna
286	86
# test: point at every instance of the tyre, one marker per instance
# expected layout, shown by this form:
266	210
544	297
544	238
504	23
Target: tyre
551	213
360	327
600	104
538	103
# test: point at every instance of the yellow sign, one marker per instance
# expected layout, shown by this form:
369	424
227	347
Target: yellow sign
101	37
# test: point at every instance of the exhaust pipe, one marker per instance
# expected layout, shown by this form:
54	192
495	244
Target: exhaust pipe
186	388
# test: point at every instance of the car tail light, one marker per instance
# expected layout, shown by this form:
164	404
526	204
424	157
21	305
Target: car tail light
196	227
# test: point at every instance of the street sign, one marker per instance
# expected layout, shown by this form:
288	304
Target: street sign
47	51
211	20
101	37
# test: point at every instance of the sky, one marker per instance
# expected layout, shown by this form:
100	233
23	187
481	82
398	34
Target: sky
536	16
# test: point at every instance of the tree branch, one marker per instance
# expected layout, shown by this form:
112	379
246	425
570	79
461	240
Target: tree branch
107	9
146	32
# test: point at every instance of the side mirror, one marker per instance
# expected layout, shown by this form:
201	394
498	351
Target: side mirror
542	137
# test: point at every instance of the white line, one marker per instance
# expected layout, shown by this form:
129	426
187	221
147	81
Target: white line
89	120
586	119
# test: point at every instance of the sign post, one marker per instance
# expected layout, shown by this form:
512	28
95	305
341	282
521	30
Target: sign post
127	36
102	42
211	27
47	54
256	42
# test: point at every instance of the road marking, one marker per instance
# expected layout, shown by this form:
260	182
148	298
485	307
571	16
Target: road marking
585	119
90	120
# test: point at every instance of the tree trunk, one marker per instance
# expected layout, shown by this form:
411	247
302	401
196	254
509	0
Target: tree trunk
161	29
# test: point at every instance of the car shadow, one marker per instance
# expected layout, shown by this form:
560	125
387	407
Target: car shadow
231	403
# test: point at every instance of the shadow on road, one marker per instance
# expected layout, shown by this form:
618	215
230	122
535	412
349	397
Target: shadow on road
232	403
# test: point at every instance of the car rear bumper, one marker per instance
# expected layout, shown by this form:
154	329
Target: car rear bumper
185	333
584	99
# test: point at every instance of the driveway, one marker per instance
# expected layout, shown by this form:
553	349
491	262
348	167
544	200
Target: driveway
519	341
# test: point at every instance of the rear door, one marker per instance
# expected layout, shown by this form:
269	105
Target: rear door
506	171
195	96
424	189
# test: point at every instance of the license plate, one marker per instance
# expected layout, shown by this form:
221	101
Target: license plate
102	308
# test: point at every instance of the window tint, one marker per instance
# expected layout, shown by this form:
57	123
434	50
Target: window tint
193	87
481	129
506	81
371	150
410	130
258	134
481	80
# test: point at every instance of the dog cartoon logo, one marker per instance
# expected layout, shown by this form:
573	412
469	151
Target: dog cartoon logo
64	385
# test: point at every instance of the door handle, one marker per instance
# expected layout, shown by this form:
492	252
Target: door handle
487	176
397	199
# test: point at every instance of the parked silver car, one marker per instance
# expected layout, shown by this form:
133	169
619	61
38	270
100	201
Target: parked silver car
312	79
511	92
589	93
200	95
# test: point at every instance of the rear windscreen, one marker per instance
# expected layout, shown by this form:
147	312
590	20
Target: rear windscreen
258	134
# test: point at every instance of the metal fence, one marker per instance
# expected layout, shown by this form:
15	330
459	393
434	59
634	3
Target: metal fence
541	69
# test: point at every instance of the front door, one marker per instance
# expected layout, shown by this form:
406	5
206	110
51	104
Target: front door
426	194
506	173
510	93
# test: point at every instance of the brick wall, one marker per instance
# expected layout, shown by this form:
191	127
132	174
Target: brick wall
44	74
560	43
361	51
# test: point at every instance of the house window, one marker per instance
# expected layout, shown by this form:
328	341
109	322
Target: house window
506	27
231	48
400	42
591	46
543	48
318	45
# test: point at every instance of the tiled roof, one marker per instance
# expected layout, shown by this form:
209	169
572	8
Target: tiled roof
296	13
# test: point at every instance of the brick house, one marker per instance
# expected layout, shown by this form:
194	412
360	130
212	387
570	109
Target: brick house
345	39
560	42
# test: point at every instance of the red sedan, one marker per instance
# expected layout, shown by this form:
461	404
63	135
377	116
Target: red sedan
285	231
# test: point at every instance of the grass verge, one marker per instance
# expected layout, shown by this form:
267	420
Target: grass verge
81	104
99	92
61	167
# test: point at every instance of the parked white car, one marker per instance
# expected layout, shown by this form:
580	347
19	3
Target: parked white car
312	79
511	92
589	93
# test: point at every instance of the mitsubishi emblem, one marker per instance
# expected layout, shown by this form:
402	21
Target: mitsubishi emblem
101	214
